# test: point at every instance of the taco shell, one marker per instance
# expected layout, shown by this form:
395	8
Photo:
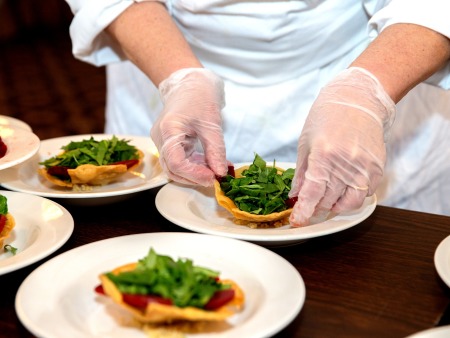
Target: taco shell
156	313
89	174
229	204
9	225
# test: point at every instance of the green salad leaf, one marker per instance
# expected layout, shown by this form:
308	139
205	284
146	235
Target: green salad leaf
3	205
179	280
10	248
261	190
94	152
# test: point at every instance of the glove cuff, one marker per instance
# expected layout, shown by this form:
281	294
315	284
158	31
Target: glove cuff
387	108
177	78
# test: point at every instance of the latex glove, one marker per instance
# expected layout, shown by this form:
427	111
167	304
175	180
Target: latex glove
193	99
341	150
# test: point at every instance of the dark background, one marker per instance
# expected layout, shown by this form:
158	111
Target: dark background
41	82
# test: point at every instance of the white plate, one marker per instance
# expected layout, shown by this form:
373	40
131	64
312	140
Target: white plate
25	178
196	209
21	145
13	122
442	260
57	299
42	227
436	332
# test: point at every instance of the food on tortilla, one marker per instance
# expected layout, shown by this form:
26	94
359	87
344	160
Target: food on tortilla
158	290
91	162
257	195
7	221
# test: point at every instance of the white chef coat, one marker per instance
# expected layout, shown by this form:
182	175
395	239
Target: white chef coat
274	57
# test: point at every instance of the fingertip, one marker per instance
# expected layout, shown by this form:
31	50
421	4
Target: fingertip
352	199
300	215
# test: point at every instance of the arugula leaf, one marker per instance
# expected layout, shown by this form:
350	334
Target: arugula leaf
3	205
10	248
94	152
181	281
261	190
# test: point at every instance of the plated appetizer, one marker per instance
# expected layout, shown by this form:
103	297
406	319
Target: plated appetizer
91	162
257	195
161	292
7	221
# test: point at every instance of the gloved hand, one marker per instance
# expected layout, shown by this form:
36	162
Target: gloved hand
193	99
341	150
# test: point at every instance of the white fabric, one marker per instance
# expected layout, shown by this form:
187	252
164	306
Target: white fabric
274	56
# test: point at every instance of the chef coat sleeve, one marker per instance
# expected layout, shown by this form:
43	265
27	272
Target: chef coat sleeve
432	14
90	43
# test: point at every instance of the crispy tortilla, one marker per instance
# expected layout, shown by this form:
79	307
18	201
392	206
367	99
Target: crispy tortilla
156	313
89	174
244	216
9	225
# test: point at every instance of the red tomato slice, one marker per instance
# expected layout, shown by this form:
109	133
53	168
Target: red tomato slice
2	222
219	299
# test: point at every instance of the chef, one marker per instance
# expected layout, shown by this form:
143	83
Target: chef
352	91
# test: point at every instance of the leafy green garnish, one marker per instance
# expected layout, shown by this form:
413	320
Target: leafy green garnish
93	152
261	190
3	205
181	281
10	248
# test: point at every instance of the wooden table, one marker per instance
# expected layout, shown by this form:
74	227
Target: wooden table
376	279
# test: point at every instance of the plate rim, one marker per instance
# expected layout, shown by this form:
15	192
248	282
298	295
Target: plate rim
15	122
57	243
42	269
24	133
161	178
286	236
431	332
442	260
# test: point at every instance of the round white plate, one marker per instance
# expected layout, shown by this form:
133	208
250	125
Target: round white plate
58	298
436	332
42	227
13	122
442	260
21	145
196	209
25	178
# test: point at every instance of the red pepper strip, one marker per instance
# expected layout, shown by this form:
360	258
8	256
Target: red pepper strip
3	148
219	299
290	202
230	172
2	222
128	163
59	171
141	301
99	289
138	301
